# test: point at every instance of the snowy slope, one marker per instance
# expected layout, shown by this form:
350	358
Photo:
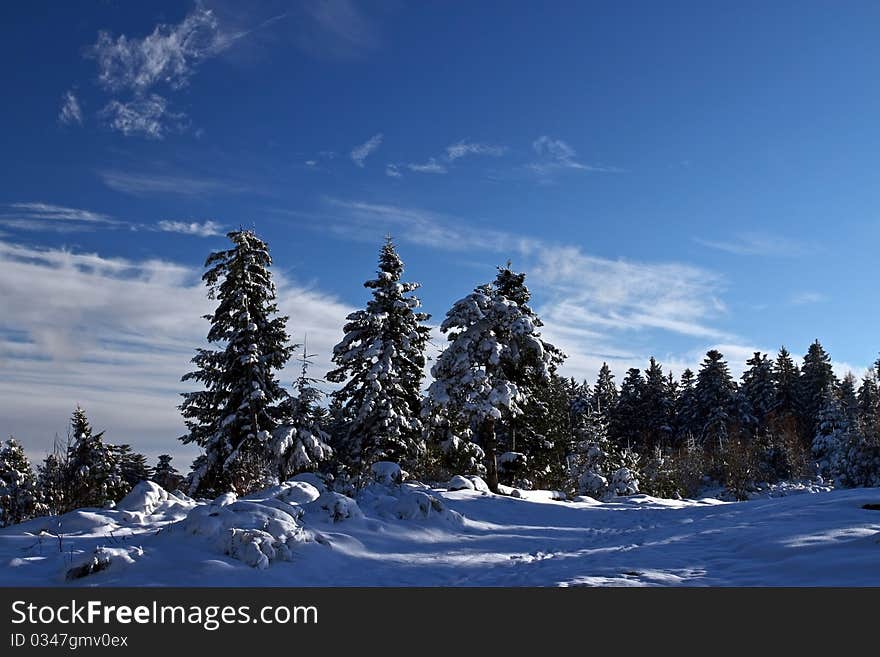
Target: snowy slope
411	535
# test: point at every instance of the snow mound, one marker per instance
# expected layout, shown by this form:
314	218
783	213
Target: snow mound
298	492
336	506
312	478
254	532
386	473
407	502
145	497
479	484
460	483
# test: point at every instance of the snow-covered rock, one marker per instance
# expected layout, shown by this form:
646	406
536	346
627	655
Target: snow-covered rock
298	492
459	482
335	505
387	473
480	484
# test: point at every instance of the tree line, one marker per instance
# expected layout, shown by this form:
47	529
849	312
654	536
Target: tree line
496	406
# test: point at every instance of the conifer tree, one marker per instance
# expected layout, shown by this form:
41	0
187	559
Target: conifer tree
166	475
628	422
758	393
686	421
53	478
715	399
381	360
18	485
605	393
786	377
869	406
94	471
494	360
300	444
657	408
816	379
849	401
234	415
132	465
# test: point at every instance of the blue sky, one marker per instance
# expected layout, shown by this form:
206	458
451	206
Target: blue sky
672	176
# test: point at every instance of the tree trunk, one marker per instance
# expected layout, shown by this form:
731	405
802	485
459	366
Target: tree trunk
488	440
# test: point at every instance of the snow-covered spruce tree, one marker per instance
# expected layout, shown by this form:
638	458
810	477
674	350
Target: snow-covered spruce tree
657	408
233	417
596	466
94	471
166	475
381	359
18	485
494	359
757	393
831	442
300	443
714	395
53	478
687	424
605	393
869	405
786	377
628	422
849	400
816	377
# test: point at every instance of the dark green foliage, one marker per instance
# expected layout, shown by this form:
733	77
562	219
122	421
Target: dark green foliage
232	417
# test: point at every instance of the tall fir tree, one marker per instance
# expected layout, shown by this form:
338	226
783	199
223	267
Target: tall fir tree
687	424
657	409
233	417
758	393
18	485
869	406
816	379
605	392
715	399
849	399
381	360
494	360
628	422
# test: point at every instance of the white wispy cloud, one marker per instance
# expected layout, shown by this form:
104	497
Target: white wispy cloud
464	148
360	153
70	112
169	55
556	155
39	216
758	244
809	297
200	229
140	183
116	335
431	166
392	171
147	116
336	29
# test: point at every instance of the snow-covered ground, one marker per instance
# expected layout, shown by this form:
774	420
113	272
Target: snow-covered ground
297	535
